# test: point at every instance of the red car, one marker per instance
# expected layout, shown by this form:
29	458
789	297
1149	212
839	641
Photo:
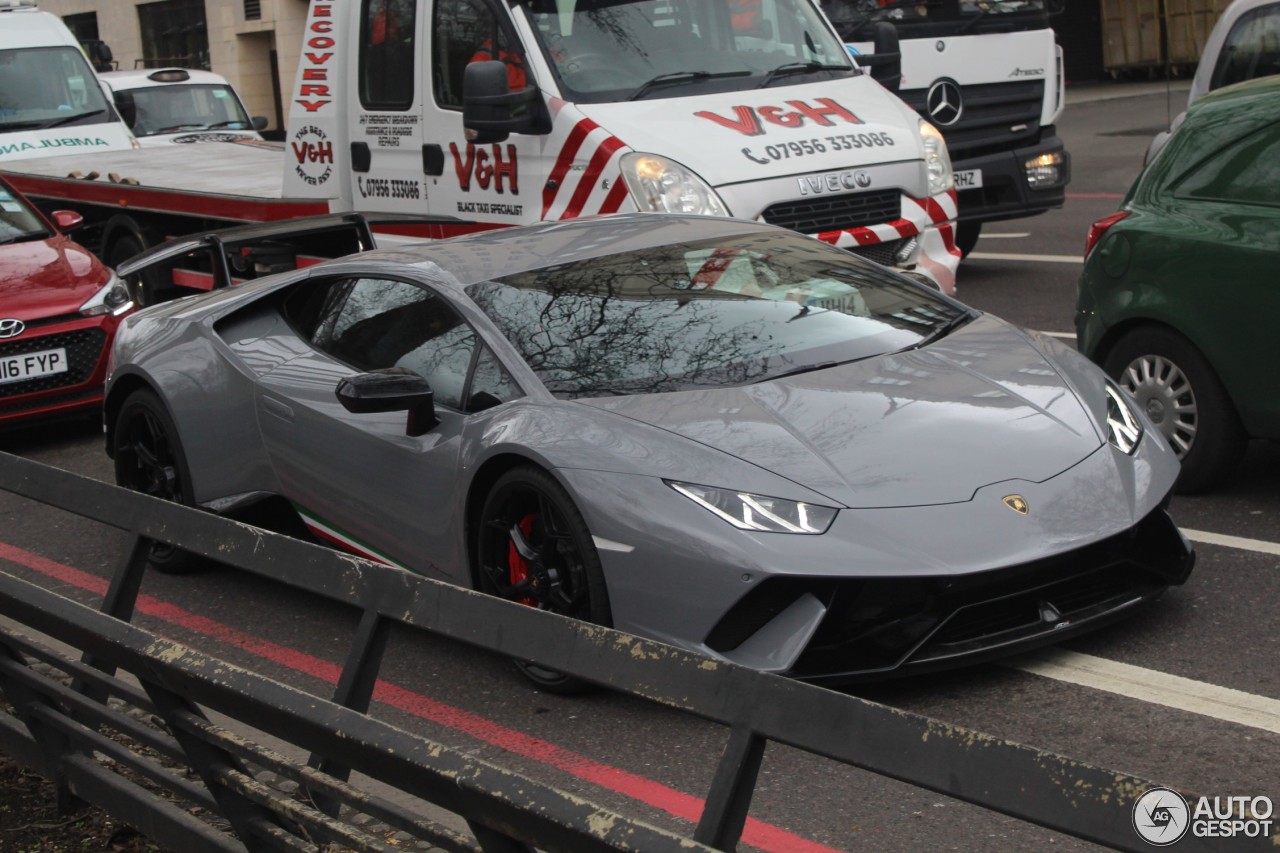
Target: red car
59	309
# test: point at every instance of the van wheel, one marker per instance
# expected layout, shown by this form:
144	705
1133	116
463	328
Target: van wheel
967	234
149	459
534	548
1179	390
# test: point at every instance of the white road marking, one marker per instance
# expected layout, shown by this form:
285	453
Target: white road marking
989	236
1070	335
1258	545
1051	259
1158	688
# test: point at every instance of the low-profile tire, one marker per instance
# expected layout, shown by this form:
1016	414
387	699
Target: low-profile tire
967	234
533	547
149	459
1175	385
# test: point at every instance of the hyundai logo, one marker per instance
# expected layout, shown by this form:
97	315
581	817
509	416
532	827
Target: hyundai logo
944	103
12	328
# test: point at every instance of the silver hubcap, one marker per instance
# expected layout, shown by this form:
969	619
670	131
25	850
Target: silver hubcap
1163	391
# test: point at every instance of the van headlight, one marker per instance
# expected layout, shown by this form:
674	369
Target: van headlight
112	298
937	162
659	185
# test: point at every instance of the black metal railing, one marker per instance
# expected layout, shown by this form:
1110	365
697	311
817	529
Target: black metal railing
69	715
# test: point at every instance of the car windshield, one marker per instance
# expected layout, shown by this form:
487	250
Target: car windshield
170	109
615	50
46	87
707	314
18	221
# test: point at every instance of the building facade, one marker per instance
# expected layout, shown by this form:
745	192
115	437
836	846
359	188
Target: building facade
255	44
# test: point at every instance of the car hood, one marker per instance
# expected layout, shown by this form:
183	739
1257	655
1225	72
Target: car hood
46	278
921	427
735	140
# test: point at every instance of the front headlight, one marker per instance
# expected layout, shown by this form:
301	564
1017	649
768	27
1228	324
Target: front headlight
758	512
1124	431
112	298
937	162
659	185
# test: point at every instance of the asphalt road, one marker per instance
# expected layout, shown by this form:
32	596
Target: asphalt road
1187	692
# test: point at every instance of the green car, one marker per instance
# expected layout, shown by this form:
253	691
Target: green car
1181	286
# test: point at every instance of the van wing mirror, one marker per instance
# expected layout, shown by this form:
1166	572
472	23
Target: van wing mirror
491	111
886	63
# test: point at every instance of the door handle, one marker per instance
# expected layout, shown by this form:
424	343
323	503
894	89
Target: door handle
361	157
275	407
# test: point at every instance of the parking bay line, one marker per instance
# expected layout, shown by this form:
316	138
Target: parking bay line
1157	688
1258	545
1004	256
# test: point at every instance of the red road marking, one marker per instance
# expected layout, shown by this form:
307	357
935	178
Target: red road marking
677	803
1095	195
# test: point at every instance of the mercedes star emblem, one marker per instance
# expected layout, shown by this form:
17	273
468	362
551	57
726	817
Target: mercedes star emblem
944	103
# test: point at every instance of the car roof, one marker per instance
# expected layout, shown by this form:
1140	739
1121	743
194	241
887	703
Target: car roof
140	78
1212	123
492	254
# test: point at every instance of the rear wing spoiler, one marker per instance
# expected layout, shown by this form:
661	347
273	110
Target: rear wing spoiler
236	254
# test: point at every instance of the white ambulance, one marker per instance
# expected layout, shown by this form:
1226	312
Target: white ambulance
51	101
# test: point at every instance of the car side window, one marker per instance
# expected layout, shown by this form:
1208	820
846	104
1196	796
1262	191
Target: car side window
1248	172
490	383
387	54
373	324
465	31
1252	48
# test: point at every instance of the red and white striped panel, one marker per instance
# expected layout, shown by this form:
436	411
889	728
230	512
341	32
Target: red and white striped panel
917	215
572	192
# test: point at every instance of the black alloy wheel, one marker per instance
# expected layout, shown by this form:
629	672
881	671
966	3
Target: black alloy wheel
534	548
149	459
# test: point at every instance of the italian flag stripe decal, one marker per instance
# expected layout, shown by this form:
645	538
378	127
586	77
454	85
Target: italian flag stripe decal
336	537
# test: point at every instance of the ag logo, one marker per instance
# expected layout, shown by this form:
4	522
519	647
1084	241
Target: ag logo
1161	817
1017	503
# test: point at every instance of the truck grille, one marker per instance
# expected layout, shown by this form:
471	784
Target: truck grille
84	348
990	112
835	212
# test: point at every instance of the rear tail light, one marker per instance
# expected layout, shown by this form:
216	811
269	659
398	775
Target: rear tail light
1099	228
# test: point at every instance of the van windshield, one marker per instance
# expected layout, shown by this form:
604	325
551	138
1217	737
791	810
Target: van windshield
43	87
606	50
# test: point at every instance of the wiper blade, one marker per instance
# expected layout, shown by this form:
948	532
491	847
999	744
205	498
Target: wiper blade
59	122
789	68
675	78
945	329
796	371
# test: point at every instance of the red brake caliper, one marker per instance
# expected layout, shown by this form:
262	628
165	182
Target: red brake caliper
517	565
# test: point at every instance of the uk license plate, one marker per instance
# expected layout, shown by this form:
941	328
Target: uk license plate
33	365
970	179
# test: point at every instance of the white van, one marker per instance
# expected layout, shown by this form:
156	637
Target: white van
181	105
51	101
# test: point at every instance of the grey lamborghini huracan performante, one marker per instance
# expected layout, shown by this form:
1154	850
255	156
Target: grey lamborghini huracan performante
704	431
